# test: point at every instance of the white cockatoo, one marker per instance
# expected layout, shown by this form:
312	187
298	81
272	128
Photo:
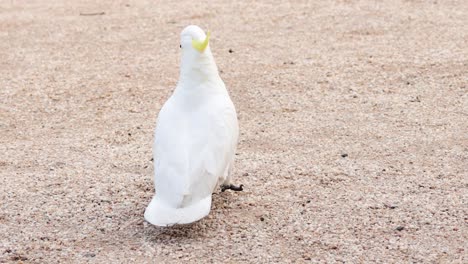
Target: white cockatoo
195	138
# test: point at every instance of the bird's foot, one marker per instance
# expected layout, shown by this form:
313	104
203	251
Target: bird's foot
232	187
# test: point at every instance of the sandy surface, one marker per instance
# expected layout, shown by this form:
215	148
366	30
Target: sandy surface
353	116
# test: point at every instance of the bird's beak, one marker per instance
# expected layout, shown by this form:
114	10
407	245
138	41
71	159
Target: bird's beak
199	45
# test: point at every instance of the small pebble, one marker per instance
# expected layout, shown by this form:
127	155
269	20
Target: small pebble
19	258
90	255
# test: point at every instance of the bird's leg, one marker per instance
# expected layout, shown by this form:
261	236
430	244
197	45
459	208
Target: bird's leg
232	187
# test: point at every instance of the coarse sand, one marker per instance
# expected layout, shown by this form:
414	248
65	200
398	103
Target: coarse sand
353	119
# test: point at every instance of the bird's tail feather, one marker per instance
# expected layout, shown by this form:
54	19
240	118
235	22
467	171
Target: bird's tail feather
160	214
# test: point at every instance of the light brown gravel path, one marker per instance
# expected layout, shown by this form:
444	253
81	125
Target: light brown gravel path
385	82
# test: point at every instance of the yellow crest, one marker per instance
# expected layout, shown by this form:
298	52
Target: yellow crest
199	45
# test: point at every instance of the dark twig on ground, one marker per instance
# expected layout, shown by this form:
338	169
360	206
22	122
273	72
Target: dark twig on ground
93	14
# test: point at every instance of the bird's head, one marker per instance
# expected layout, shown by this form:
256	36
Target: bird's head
197	62
193	39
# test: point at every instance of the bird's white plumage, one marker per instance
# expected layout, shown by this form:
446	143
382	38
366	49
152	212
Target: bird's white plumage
195	139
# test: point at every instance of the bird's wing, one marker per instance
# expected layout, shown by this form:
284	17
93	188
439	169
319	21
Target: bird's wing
214	148
170	153
192	150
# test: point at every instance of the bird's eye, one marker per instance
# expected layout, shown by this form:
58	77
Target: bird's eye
180	45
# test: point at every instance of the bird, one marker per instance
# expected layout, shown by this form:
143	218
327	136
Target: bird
195	138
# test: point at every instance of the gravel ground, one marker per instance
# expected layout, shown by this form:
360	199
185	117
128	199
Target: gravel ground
353	118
